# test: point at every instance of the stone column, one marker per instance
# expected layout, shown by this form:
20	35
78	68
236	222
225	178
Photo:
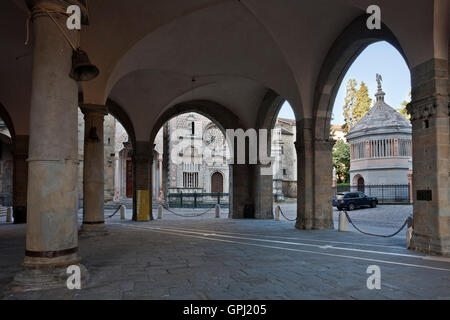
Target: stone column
20	178
263	191
52	236
240	189
93	170
165	161
323	191
142	181
429	112
410	186
160	168
396	150
305	168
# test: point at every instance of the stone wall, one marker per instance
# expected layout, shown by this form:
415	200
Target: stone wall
180	141
285	168
109	141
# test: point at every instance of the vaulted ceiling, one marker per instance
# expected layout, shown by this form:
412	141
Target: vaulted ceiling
149	52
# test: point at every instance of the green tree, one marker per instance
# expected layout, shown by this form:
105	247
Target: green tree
403	110
357	103
350	101
341	160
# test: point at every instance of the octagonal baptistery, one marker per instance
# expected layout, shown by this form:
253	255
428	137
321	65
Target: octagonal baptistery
380	147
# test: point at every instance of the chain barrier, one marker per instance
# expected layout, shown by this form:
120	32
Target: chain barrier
109	217
187	216
281	211
408	221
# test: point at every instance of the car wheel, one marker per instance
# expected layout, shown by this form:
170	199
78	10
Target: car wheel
351	207
373	204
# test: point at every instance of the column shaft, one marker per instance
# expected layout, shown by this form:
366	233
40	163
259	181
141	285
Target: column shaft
93	167
142	169
429	111
165	161
52	237
240	189
323	179
305	169
20	178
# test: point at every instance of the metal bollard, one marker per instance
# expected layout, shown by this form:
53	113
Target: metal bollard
217	210
277	213
342	222
409	232
123	210
9	214
160	209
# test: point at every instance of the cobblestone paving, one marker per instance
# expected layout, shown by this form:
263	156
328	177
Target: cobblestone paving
209	258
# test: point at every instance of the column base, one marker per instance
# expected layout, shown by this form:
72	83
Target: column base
303	224
43	279
93	230
20	214
323	224
42	262
426	244
316	224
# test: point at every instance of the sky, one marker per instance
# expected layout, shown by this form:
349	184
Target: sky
380	58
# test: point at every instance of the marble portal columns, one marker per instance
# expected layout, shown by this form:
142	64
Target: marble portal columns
52	236
93	169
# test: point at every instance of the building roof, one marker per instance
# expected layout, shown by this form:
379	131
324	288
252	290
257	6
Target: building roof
289	121
380	119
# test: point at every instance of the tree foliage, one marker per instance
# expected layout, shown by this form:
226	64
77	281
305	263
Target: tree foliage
341	160
403	110
357	103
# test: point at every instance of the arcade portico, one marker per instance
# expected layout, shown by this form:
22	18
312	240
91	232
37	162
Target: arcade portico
235	62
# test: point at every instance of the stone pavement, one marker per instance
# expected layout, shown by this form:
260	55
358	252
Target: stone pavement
384	219
209	258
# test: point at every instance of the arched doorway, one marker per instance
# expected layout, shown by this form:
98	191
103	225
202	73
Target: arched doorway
216	182
361	184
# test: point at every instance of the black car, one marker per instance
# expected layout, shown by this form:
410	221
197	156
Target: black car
352	200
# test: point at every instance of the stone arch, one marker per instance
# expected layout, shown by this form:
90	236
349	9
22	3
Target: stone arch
266	119
222	117
344	51
209	109
268	111
119	113
4	115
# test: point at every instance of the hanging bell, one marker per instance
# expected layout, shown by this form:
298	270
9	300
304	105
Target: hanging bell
82	68
93	136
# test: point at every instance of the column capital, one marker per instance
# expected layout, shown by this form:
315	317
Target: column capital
427	107
143	152
58	6
94	109
324	144
305	124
